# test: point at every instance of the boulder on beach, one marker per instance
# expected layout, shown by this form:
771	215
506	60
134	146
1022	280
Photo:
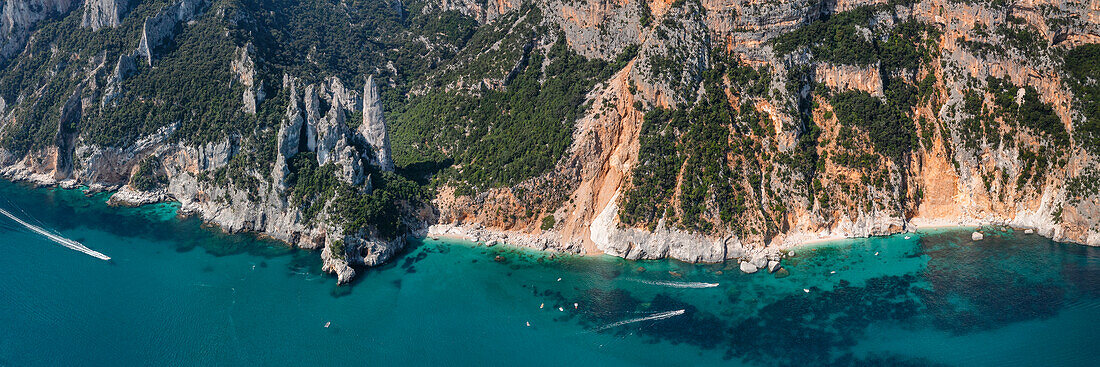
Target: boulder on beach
977	236
760	261
773	266
1029	231
747	267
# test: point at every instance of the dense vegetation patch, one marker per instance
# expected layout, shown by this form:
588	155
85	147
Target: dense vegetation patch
1083	65
196	73
501	136
841	38
653	181
706	155
383	209
892	131
313	187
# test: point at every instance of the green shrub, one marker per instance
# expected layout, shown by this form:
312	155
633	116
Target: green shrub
547	222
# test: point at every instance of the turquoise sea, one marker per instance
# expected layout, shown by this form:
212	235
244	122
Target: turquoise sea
177	293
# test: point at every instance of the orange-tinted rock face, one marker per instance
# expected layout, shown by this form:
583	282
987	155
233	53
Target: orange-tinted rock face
941	182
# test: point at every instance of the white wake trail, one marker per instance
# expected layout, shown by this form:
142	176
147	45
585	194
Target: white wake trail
656	316
677	284
60	240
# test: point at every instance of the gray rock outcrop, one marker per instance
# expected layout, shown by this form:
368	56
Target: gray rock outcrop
123	68
99	14
245	69
158	29
18	17
373	129
290	137
334	145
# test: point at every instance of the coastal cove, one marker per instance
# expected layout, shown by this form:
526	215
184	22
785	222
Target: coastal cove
177	292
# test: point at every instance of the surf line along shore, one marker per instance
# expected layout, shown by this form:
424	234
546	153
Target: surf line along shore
60	240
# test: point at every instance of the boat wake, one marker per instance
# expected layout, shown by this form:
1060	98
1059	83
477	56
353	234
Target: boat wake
56	238
677	284
656	316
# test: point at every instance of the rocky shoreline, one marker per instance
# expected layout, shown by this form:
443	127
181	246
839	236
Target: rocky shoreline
947	180
750	260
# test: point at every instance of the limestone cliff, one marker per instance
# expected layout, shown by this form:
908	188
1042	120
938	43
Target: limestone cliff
19	17
756	119
942	185
373	128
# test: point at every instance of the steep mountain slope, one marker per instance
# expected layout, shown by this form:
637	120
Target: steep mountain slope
703	130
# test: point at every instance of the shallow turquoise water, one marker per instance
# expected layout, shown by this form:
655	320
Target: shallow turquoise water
177	293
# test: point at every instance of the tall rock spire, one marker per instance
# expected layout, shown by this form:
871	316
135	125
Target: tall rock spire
373	128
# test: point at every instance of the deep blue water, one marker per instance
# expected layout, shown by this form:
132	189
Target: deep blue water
179	293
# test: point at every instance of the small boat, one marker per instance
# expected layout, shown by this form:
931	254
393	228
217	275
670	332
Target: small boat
528	324
805	290
560	309
327	324
541	304
575	305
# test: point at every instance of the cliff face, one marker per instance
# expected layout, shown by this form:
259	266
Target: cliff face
19	17
713	130
373	128
104	13
942	182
